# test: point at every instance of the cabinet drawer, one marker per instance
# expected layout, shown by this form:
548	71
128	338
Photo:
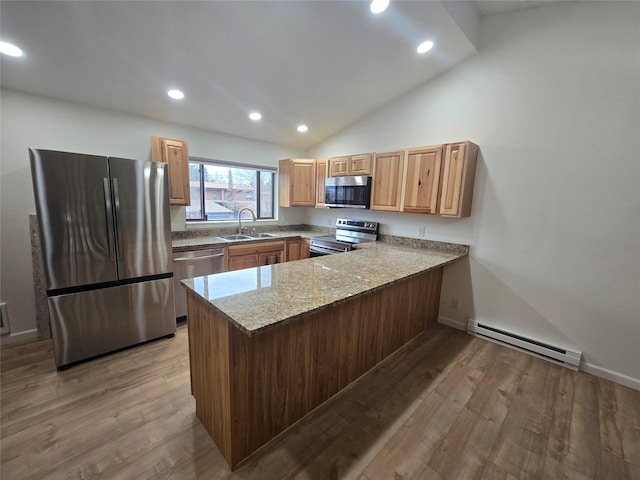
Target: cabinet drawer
257	247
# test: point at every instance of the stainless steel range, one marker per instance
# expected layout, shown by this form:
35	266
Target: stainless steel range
348	233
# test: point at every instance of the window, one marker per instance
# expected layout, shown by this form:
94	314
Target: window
219	190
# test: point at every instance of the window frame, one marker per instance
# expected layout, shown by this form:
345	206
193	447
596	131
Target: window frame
259	169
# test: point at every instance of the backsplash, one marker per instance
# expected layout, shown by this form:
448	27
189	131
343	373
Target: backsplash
216	232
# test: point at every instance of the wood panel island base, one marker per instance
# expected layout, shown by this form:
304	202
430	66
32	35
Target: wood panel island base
250	385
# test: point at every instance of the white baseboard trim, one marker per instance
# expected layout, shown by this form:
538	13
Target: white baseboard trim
19	337
611	375
450	322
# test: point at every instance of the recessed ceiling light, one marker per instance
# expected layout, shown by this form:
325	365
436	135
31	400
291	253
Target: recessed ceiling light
10	49
302	128
255	116
175	94
424	47
378	6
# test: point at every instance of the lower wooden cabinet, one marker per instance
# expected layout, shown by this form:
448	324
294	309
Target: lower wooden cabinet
255	254
297	249
238	262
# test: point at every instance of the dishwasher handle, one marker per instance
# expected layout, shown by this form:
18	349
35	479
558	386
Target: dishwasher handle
204	257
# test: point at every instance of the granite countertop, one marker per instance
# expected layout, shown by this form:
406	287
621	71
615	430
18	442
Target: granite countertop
257	299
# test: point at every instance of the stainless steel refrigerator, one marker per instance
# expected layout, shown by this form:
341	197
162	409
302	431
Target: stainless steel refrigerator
105	233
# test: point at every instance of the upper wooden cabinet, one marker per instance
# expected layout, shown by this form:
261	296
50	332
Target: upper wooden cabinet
388	174
321	176
457	179
297	182
422	180
350	165
175	153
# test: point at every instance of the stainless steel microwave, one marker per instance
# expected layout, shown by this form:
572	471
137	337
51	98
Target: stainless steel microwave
349	192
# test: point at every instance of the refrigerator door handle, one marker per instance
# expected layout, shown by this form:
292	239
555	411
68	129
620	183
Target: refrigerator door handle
109	217
116	211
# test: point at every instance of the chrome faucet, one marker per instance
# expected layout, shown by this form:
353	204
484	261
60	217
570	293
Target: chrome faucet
253	216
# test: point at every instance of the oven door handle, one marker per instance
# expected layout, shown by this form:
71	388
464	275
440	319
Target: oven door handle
326	250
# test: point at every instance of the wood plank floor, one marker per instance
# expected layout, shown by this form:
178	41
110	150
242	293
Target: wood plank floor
447	406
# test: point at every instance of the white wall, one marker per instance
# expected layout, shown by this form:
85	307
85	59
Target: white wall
36	122
553	100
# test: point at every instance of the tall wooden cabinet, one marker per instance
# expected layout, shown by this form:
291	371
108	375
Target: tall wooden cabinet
457	179
422	180
175	153
388	175
297	182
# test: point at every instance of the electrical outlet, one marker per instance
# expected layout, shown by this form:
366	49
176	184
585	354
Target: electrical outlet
455	303
422	231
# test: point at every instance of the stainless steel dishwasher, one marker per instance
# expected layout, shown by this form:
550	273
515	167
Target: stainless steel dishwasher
190	264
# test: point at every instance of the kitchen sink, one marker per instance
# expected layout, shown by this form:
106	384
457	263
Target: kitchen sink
231	238
263	235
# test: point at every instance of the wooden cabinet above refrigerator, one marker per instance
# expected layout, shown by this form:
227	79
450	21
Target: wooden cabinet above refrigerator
175	153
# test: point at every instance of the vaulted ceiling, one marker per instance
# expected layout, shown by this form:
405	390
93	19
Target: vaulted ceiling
325	64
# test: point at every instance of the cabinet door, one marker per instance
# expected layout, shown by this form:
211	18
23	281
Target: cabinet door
360	164
339	166
270	258
293	250
321	176
456	184
304	248
297	182
388	170
423	176
303	188
239	262
175	153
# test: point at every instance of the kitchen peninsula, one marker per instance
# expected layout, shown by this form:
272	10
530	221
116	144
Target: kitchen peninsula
267	345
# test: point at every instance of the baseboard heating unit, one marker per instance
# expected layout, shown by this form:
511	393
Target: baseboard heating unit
561	356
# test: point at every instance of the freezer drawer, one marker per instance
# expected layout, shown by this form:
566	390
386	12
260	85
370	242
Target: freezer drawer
190	264
94	322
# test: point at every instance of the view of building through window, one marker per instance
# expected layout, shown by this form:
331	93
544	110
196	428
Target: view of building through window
219	191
